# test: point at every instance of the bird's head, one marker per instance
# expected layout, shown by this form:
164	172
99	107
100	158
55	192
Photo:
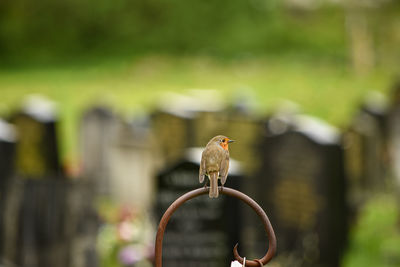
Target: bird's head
222	140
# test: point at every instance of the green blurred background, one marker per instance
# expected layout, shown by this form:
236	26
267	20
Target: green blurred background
324	55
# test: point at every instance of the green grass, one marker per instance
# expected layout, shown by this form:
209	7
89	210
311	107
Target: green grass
326	89
375	239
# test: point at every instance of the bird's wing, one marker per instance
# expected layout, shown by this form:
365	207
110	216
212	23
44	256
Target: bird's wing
202	170
224	168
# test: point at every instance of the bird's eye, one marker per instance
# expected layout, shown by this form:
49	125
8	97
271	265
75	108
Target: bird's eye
222	140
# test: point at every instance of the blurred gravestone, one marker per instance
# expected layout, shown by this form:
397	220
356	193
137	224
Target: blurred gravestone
187	120
394	133
238	126
203	231
37	154
366	150
50	222
40	215
7	151
133	163
81	229
34	208
97	131
173	133
34	216
301	185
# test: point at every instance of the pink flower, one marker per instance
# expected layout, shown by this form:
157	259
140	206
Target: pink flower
125	231
129	255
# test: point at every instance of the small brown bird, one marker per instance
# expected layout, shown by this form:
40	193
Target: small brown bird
215	163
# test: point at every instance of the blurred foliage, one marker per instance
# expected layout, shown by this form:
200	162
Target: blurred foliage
68	28
375	239
59	31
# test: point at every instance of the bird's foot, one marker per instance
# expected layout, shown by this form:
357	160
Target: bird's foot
205	184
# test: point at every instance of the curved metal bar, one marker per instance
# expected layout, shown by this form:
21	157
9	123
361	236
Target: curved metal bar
227	191
267	226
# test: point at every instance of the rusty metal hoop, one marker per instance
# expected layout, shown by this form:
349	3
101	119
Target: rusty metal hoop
226	191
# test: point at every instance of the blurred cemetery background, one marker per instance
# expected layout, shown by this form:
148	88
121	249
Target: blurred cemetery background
105	107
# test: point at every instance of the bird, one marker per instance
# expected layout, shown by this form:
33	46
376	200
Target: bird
215	163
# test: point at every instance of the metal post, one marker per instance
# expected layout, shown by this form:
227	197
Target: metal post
226	191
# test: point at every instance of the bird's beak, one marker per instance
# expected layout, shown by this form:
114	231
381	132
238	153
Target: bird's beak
230	141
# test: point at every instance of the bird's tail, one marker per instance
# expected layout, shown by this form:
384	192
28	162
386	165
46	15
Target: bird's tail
213	193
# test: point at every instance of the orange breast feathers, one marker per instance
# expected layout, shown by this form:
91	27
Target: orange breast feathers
224	144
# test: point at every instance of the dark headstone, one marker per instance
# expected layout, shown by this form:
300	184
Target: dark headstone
7	151
203	231
366	151
301	185
82	225
35	218
49	222
41	215
37	153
